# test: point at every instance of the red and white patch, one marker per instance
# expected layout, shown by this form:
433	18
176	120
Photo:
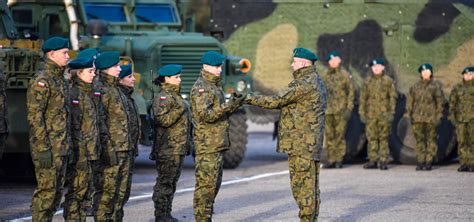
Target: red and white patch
201	90
163	98
75	102
97	94
41	84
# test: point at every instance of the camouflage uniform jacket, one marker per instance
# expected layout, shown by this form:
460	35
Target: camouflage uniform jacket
340	91
172	122
425	102
461	102
84	120
113	109
378	98
133	116
48	111
3	105
210	114
301	104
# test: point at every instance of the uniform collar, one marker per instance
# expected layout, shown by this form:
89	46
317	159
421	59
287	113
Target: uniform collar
108	79
170	87
127	90
378	76
334	70
83	86
54	68
303	72
214	79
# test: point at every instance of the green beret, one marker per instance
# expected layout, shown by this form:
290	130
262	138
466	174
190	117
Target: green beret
125	71
212	58
170	70
468	69
88	53
332	55
425	67
55	43
107	59
81	63
304	54
378	61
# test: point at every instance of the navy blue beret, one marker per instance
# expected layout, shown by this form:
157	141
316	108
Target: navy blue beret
88	53
107	59
125	71
305	54
212	58
81	63
425	66
55	43
332	55
378	61
170	70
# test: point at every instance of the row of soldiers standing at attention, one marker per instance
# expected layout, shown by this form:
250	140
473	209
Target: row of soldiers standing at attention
378	96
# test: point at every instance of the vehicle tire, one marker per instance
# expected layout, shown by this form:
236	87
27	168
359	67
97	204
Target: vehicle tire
238	140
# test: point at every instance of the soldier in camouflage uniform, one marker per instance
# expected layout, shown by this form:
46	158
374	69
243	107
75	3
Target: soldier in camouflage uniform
172	119
84	136
424	108
378	99
210	114
47	106
127	83
340	103
3	113
115	139
300	133
461	114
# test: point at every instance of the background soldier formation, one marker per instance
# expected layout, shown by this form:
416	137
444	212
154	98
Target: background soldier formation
84	133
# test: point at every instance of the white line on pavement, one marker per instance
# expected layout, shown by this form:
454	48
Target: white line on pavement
185	190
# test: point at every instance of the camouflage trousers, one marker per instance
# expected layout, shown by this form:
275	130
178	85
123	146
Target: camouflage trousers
209	168
3	139
335	132
304	176
115	188
465	136
78	176
48	192
169	171
425	135
377	131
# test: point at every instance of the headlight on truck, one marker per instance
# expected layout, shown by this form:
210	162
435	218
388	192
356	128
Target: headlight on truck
241	86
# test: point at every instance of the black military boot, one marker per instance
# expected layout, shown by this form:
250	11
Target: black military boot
339	164
428	166
383	166
329	165
370	165
463	168
419	166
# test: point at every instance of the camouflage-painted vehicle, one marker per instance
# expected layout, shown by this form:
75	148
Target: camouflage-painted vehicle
406	33
148	33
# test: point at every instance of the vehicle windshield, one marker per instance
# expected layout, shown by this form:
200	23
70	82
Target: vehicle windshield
155	13
105	11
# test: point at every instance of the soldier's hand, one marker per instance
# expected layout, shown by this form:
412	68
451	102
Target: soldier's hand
152	156
45	159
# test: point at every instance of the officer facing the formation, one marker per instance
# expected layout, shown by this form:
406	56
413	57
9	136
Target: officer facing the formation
116	150
300	133
461	114
3	113
424	107
378	99
172	124
210	114
84	137
340	103
47	103
127	83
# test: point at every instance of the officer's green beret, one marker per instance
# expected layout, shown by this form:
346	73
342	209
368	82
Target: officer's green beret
212	58
468	69
378	61
170	70
88	53
81	63
55	43
332	55
107	59
304	54
125	71
425	66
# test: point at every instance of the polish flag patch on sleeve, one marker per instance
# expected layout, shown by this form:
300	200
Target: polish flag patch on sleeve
97	94
41	84
163	98
201	90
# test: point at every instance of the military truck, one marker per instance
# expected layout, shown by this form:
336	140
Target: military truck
406	33
147	33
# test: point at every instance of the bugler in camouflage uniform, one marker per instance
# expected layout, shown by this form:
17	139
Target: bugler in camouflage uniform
301	129
115	139
47	105
424	107
339	108
172	119
210	115
3	113
378	99
461	114
84	137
